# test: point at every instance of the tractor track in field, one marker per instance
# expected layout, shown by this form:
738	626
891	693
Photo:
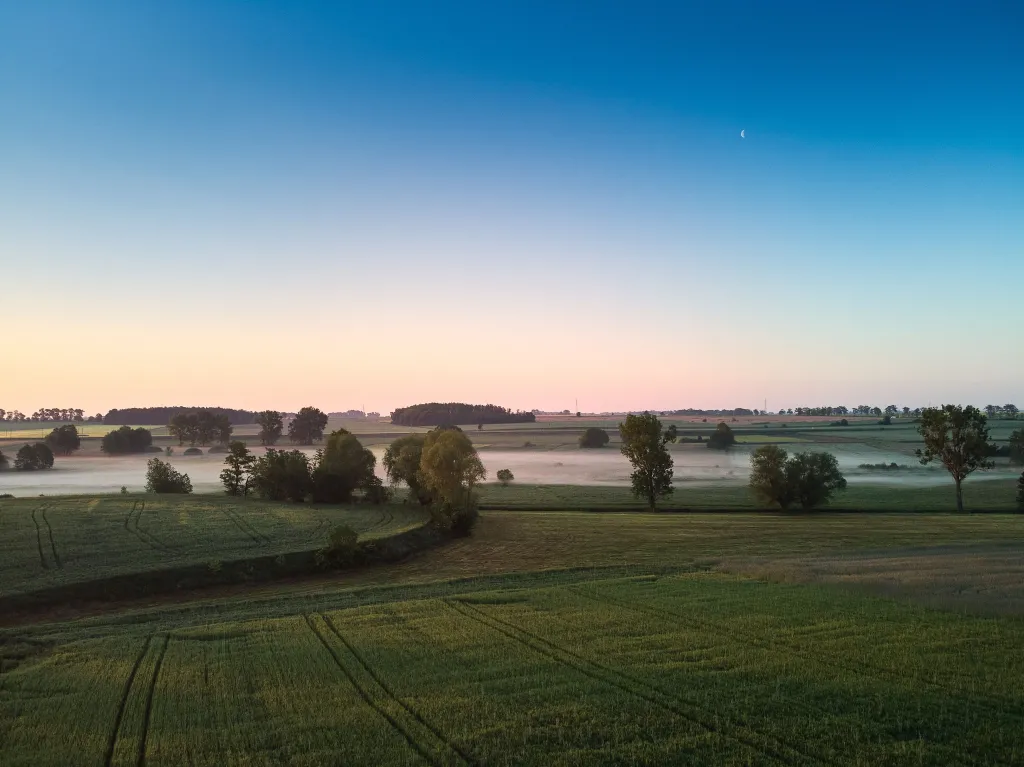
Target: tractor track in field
140	758
131	524
992	703
245	528
123	704
412	711
368	699
386	518
39	539
781	751
49	534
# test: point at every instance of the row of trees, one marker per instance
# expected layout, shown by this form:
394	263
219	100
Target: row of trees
202	426
992	411
445	413
146	416
52	415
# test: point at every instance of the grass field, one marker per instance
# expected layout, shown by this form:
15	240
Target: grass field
557	638
56	541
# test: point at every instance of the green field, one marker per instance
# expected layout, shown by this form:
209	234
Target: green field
545	638
50	542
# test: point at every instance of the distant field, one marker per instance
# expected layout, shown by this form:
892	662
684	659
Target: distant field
557	639
49	542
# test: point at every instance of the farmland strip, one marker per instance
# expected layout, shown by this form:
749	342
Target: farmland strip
39	540
141	756
996	704
49	532
413	712
634	686
413	743
125	692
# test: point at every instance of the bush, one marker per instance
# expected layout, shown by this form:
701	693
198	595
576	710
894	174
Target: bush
886	421
4	463
161	477
457	518
6	495
505	476
722	438
34	458
594	437
342	548
193	451
376	492
809	479
126	440
219	449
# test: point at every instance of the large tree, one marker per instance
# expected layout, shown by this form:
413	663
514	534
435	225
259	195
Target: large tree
308	426
239	462
402	464
450	469
340	468
34	458
1017	447
644	443
271	425
282	475
958	438
126	440
809	479
594	437
721	438
768	476
64	439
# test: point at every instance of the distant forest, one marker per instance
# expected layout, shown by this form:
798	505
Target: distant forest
446	413
152	416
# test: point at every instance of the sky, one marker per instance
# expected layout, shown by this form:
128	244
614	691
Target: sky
368	205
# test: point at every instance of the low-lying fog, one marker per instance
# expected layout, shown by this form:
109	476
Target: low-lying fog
693	464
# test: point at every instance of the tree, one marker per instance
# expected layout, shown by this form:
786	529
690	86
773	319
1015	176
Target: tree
1020	492
644	444
282	475
505	476
721	438
223	429
271	425
239	462
814	478
594	437
184	426
768	476
450	468
35	457
64	439
308	426
958	437
340	468
1017	447
161	477
810	479
402	464
891	410
4	464
991	410
126	440
1010	410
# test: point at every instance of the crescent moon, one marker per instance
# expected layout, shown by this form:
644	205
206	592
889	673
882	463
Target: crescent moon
743	133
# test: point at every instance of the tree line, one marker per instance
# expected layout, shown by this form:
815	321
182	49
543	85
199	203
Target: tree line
147	416
50	415
449	413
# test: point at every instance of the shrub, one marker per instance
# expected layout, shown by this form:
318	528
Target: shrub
4	463
161	477
505	476
282	475
34	458
192	451
721	438
809	479
886	421
126	440
342	547
376	492
594	437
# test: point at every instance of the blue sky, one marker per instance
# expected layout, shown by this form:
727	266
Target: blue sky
272	204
